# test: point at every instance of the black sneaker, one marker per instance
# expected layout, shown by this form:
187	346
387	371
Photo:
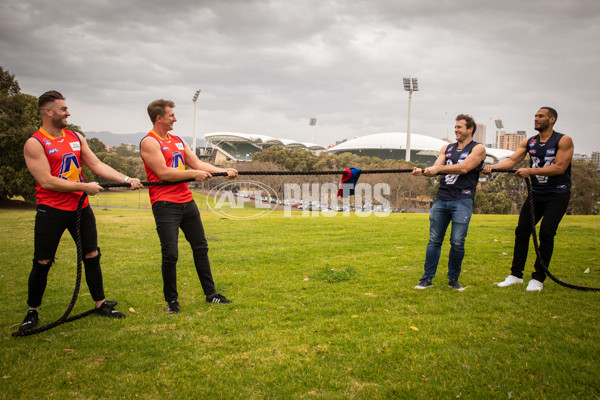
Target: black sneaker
112	303
453	283
218	298
107	310
173	307
424	284
31	321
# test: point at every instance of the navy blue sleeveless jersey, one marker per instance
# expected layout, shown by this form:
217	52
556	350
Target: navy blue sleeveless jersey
458	187
542	155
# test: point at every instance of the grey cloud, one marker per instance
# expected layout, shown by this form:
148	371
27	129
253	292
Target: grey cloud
267	66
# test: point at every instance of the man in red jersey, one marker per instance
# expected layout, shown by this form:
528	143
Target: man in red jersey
165	159
54	156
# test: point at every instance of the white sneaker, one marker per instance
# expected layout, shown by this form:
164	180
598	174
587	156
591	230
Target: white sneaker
510	280
534	286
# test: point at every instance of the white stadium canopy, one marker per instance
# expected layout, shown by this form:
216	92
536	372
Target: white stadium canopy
241	146
423	149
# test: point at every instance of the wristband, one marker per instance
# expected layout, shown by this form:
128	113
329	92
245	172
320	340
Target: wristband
126	179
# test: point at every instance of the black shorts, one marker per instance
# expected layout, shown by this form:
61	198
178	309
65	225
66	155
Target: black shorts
50	224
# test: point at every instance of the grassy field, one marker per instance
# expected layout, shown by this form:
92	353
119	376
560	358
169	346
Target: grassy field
323	308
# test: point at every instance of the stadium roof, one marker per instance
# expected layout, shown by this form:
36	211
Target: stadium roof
419	145
258	140
390	140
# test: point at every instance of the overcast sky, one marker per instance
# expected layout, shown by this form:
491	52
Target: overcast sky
266	67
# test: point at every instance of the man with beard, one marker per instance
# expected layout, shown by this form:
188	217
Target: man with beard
55	157
460	163
550	155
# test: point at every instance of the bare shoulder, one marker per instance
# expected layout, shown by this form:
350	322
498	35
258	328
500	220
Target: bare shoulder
565	141
148	141
32	145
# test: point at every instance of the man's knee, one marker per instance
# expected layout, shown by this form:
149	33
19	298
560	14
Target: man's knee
522	230
458	244
200	250
170	257
547	235
93	254
43	265
92	259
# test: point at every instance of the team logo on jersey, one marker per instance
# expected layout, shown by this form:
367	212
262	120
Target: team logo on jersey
532	142
179	146
47	143
532	151
165	148
177	162
53	150
70	168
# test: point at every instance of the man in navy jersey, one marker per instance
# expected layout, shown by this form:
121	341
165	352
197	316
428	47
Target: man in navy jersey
459	163
550	155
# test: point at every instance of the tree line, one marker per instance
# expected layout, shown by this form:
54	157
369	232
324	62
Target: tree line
500	194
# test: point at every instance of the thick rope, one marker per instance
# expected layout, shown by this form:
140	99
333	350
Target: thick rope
529	200
65	317
364	171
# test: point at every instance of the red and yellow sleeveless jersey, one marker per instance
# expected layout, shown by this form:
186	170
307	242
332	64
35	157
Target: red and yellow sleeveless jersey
172	149
64	157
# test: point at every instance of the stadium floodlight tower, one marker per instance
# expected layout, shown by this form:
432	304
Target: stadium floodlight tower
194	100
312	122
410	85
499	126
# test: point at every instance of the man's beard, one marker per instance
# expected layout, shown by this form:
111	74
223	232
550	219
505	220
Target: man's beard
542	127
58	122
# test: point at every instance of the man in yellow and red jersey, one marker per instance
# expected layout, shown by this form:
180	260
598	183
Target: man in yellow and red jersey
165	158
55	157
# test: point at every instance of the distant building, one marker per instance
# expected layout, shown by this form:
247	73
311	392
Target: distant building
479	136
582	157
509	140
596	158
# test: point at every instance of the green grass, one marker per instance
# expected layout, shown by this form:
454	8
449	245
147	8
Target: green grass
323	308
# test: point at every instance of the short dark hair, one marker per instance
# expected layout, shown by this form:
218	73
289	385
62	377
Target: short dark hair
469	120
157	107
551	111
49	97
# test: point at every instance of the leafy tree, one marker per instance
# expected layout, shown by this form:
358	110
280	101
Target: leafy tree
18	120
130	166
492	203
585	193
292	159
96	145
126	150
